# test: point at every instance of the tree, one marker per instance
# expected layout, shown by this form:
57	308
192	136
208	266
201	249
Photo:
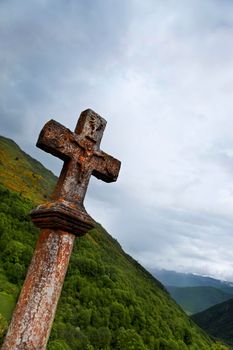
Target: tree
128	339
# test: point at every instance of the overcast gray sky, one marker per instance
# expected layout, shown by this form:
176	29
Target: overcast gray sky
161	73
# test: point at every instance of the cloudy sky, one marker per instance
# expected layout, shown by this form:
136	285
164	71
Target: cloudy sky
161	73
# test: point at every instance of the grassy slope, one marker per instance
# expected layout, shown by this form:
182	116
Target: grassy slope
108	301
20	172
197	299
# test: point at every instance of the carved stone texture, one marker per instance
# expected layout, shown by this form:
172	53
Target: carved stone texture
80	151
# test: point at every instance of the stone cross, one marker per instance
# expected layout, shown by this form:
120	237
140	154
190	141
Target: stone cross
60	220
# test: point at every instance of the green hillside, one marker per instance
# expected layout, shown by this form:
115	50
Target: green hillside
197	299
20	172
108	301
218	321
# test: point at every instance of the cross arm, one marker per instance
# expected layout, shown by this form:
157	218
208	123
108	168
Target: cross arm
105	167
55	139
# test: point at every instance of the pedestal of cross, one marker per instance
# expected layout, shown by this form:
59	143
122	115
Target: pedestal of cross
60	220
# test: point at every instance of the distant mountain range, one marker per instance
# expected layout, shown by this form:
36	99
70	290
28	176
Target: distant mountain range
194	293
196	299
179	279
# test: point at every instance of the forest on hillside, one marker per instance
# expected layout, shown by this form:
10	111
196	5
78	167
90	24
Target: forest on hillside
108	301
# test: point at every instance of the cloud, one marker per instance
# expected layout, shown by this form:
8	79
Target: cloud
161	73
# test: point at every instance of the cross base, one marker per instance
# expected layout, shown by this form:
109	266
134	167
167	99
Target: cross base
63	216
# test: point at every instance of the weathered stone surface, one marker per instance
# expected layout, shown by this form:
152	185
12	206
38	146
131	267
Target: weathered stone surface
80	151
32	319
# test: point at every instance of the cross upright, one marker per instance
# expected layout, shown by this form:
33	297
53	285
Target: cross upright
80	151
60	220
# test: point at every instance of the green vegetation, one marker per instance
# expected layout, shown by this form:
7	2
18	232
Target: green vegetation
21	173
196	299
218	321
108	301
7	303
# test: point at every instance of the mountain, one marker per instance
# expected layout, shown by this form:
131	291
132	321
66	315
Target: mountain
178	279
196	299
218	321
194	293
108	301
